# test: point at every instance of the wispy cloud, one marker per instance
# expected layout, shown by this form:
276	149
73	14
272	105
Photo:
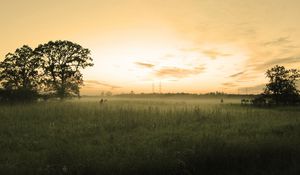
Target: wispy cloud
144	65
229	84
237	74
168	55
98	83
176	72
213	54
192	49
284	60
278	41
276	61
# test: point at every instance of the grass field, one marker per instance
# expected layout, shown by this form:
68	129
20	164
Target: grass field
154	136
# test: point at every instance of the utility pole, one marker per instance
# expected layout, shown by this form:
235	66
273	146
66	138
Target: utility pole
160	87
153	88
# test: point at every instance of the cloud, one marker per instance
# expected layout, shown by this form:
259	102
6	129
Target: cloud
278	41
230	84
213	54
278	61
176	72
237	74
168	55
284	60
192	49
145	65
292	47
97	83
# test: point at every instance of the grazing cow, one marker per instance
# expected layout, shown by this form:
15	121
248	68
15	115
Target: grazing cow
103	101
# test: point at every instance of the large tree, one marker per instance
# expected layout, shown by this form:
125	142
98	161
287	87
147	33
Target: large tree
19	74
62	62
19	70
282	87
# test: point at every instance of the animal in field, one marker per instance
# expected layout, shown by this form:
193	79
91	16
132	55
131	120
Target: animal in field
246	101
222	101
102	101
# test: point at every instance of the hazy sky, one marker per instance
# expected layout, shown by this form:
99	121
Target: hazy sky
187	45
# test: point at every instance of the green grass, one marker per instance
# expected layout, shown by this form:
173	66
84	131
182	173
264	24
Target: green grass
155	136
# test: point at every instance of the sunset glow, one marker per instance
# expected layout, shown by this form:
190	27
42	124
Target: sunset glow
192	46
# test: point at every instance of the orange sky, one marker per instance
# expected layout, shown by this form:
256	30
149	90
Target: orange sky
189	46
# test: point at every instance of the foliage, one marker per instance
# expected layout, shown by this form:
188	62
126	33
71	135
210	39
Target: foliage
62	61
282	86
19	74
52	69
19	70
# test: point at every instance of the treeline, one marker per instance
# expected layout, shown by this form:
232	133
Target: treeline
185	95
280	90
51	70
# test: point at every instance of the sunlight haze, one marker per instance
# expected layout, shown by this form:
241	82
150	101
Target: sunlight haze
195	46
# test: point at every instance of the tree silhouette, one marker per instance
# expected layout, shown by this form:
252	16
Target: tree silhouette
62	61
19	74
282	85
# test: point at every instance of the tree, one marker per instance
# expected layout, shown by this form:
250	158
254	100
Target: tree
19	74
62	61
282	88
108	94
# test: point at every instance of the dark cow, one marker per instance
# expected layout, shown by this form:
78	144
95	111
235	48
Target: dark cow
102	101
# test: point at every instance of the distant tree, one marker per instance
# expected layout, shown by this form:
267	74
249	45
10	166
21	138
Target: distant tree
62	62
19	74
281	88
108	94
102	94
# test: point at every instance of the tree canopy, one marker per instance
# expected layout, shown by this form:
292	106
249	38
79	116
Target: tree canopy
282	88
19	70
19	75
62	62
50	69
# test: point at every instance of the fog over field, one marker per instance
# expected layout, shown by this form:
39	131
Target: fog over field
148	136
149	87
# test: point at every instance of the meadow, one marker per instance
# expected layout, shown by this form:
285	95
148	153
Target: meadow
148	136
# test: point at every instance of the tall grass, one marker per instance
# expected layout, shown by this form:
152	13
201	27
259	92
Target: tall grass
144	136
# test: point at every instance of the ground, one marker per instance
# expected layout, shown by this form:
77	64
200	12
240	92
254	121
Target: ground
148	136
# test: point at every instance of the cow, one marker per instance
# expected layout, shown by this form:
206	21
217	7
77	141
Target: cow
246	102
102	101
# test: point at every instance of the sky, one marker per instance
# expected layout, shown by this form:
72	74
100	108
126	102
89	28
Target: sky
194	46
